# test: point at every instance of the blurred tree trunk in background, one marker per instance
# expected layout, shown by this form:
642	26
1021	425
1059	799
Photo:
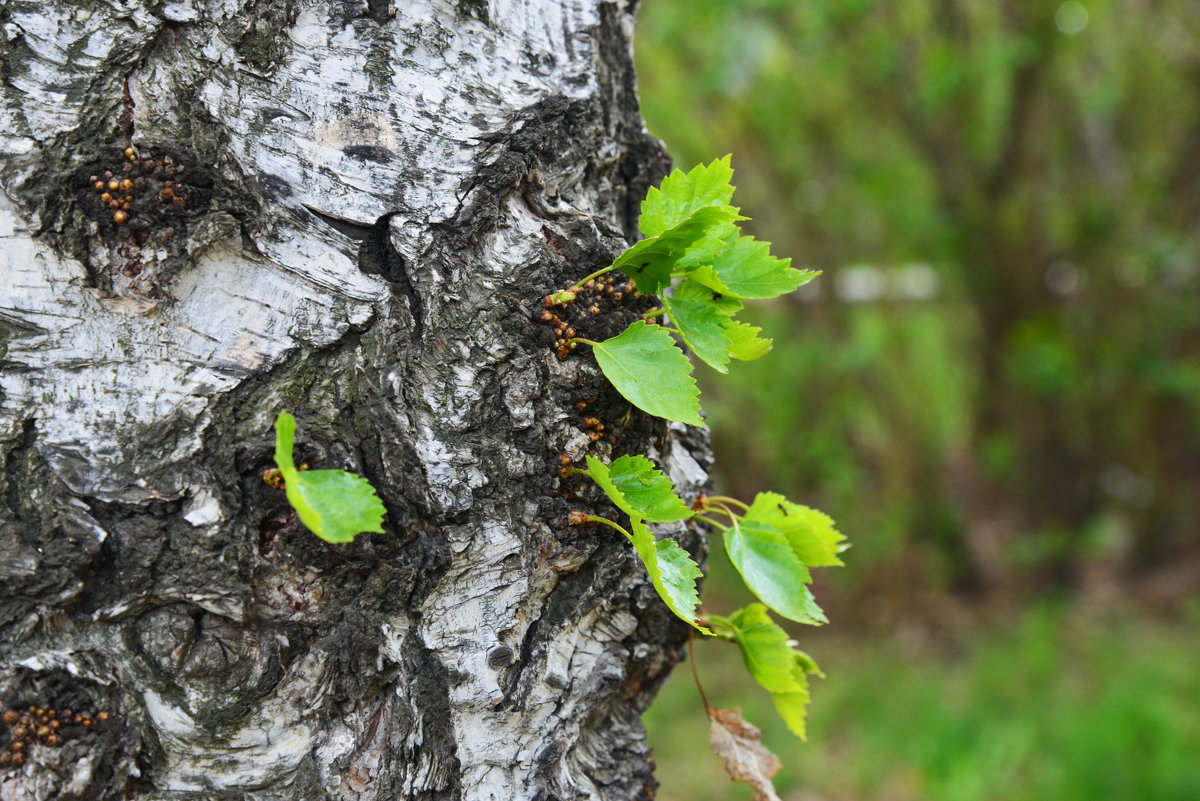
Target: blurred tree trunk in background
216	211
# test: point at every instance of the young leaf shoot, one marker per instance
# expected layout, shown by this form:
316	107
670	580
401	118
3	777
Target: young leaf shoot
334	504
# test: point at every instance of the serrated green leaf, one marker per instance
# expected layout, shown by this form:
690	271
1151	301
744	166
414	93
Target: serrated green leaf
687	289
766	649
706	276
651	261
704	250
746	269
672	572
651	372
680	195
793	706
810	533
333	504
745	342
771	570
773	661
638	489
806	663
703	330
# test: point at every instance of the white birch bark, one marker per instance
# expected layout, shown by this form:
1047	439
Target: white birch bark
373	197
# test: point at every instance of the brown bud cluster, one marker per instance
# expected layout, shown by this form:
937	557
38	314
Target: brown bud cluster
591	293
563	333
120	194
274	479
42	725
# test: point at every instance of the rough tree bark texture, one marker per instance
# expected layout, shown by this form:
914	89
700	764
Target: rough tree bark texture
348	210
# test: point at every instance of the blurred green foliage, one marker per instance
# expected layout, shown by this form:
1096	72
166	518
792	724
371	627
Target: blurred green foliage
1039	414
1059	706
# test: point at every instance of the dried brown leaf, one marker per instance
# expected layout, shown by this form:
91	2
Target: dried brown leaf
746	758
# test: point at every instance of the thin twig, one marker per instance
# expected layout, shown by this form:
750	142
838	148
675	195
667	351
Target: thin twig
695	673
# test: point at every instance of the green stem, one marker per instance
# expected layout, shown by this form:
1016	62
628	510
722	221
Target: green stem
727	499
610	524
582	341
579	284
654	313
710	521
695	673
732	517
721	628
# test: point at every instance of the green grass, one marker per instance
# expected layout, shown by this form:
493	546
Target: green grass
1062	706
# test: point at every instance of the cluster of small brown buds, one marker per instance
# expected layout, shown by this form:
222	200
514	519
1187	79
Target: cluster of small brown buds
607	285
41	725
568	465
563	333
593	291
594	428
118	193
273	478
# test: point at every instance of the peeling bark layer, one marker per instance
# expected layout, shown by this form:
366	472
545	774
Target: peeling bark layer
347	210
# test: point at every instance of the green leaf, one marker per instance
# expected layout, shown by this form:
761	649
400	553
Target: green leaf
333	504
650	262
773	661
671	570
771	570
793	706
702	328
638	489
680	195
766	649
810	533
691	290
705	249
285	438
745	343
746	269
646	367
806	663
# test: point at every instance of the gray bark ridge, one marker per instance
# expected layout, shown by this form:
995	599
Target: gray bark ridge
347	210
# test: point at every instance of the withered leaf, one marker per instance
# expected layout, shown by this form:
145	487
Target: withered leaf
746	758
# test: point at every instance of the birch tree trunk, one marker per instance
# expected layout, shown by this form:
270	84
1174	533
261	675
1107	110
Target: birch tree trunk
348	210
